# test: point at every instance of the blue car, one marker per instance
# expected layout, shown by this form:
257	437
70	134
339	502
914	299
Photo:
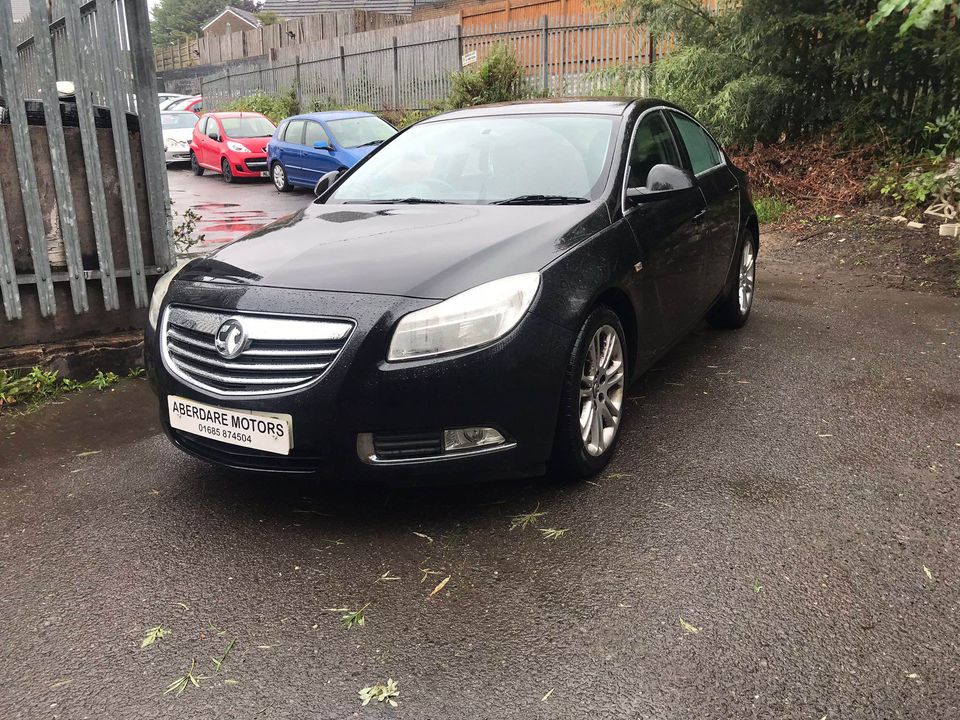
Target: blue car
305	147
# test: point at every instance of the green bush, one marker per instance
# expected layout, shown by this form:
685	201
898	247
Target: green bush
275	107
498	78
913	180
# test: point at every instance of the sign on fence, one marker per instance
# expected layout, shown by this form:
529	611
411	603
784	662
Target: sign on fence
468	58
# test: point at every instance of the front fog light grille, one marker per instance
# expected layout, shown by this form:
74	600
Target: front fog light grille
429	446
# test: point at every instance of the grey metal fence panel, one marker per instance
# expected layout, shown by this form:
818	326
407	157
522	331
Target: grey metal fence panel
23	150
58	157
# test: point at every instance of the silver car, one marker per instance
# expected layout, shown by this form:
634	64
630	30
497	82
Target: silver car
177	129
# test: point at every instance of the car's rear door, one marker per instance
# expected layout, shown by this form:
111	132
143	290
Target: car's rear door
669	238
722	194
317	161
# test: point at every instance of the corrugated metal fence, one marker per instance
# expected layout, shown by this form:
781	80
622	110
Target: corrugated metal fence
104	48
409	66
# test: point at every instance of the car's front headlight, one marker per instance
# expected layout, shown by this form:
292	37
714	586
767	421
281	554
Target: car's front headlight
475	317
160	291
237	147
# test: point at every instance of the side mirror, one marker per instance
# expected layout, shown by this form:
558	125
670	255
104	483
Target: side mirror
325	182
320	145
662	180
215	137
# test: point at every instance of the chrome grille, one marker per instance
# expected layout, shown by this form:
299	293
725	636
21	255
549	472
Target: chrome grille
279	353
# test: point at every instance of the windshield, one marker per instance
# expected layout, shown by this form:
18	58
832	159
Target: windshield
247	127
177	121
360	131
487	160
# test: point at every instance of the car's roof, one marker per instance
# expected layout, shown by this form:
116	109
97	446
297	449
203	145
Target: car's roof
176	112
331	115
580	106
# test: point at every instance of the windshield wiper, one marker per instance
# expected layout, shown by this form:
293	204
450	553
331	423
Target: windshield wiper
372	142
542	200
403	201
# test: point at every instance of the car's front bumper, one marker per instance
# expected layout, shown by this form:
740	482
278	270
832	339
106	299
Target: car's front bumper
177	155
248	164
512	385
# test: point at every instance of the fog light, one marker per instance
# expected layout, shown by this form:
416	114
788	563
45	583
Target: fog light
470	438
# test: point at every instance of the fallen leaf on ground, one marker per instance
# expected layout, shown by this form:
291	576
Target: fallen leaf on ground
440	586
553	533
424	536
687	627
153	634
547	696
381	692
926	571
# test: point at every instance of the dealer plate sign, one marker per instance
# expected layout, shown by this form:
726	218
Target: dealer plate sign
270	432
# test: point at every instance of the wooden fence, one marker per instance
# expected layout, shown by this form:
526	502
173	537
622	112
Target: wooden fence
409	66
270	40
83	202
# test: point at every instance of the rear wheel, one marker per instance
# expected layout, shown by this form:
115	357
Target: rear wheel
195	164
226	171
279	176
733	310
592	402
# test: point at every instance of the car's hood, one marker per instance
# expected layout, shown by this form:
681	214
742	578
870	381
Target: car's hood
180	134
426	251
257	145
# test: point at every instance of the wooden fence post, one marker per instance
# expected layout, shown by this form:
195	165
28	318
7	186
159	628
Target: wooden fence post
545	52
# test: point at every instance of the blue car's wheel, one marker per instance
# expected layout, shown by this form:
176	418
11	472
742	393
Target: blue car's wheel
279	176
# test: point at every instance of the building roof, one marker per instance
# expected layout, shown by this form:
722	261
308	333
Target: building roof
300	8
247	17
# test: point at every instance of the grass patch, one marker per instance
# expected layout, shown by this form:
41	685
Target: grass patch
771	209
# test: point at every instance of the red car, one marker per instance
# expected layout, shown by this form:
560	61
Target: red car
193	104
231	143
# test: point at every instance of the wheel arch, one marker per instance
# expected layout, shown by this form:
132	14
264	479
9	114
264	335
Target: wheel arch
617	300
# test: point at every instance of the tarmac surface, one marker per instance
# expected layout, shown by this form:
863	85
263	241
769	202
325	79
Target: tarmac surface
776	538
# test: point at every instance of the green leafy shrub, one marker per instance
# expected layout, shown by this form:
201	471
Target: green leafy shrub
913	180
38	384
771	209
275	107
498	78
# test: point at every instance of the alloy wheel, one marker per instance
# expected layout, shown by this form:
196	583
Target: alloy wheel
748	275
279	176
602	385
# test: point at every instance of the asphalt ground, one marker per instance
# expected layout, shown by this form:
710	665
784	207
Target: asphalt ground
777	537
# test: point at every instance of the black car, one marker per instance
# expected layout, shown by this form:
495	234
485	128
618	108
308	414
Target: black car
472	298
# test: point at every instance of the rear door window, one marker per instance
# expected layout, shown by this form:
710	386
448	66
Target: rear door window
294	132
702	150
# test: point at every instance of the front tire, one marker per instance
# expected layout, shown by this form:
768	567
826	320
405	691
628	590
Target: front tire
733	309
226	171
593	398
279	175
195	165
